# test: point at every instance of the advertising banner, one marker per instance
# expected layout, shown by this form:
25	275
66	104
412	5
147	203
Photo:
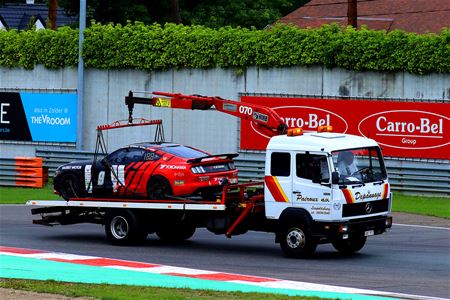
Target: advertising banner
403	129
38	117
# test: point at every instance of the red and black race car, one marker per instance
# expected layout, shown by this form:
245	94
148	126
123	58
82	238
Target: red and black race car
147	170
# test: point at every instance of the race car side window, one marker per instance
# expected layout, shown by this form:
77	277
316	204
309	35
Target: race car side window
134	155
117	157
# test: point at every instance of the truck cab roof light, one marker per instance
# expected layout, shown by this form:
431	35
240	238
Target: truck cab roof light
294	131
325	128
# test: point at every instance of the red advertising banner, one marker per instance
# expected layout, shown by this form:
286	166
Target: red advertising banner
403	129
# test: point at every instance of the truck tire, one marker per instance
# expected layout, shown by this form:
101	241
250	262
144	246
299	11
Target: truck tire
122	228
158	188
176	234
296	241
70	187
351	245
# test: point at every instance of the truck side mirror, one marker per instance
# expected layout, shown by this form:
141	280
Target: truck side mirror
335	177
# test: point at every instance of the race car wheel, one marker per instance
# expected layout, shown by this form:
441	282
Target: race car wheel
122	228
158	188
174	234
296	242
351	245
70	187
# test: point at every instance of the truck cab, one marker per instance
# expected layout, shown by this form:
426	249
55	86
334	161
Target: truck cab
334	184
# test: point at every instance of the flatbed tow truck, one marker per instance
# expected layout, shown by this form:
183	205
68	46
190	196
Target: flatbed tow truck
319	187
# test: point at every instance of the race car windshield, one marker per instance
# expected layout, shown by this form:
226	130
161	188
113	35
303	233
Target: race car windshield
184	152
361	165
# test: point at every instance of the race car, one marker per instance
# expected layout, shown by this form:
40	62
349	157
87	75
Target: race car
148	170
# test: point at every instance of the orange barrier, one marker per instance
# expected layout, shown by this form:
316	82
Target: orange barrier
23	172
30	172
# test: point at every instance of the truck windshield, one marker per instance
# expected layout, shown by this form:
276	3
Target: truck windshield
360	165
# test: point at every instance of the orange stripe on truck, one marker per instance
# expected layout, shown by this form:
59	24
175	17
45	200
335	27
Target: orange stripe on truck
385	190
275	189
348	196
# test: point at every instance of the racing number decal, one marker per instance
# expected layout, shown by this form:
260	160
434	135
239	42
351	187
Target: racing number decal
101	178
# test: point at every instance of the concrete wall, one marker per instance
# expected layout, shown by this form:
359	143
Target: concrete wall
215	132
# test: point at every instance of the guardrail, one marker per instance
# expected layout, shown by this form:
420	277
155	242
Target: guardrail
418	177
23	172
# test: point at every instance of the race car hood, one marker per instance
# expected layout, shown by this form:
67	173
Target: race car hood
76	163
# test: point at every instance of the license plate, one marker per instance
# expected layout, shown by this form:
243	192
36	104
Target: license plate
369	233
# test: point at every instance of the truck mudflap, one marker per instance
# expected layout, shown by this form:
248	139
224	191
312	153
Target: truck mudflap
329	231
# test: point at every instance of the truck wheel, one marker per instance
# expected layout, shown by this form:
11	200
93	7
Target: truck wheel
176	234
158	188
297	242
350	245
70	187
122	228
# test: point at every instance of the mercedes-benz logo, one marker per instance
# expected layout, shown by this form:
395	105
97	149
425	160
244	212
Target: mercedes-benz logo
368	207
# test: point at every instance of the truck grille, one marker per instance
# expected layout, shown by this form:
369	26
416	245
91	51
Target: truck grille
360	209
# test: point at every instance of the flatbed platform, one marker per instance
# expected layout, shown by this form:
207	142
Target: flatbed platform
131	203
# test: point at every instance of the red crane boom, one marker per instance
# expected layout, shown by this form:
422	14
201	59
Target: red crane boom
264	118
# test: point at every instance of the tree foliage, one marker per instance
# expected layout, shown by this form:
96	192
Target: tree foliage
157	47
211	13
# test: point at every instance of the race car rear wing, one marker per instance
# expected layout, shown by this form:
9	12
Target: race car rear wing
199	159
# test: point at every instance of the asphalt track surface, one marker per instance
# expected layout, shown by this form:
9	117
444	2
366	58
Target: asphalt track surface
410	260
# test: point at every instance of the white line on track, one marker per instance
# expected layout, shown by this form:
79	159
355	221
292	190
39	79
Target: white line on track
421	226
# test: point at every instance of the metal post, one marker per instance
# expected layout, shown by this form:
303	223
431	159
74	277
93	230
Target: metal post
80	88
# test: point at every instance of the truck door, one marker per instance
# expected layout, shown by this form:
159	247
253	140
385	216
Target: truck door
311	188
278	183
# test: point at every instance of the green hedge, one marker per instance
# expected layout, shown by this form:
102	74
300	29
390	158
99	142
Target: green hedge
156	47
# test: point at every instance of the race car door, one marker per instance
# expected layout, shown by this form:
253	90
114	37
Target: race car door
109	174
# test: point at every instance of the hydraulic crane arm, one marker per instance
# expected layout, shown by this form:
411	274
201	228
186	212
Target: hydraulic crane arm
264	118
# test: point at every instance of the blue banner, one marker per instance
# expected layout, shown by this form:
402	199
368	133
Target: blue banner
39	117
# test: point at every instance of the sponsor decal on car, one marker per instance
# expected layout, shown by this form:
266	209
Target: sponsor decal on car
172	167
71	168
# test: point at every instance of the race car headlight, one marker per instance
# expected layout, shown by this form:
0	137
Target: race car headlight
198	170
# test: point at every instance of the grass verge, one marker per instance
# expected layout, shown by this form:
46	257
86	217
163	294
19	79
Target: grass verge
18	195
106	291
429	206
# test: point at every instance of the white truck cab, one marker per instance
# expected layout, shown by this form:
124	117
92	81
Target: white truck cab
337	181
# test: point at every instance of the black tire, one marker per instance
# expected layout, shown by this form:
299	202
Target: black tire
158	188
176	234
297	242
70	187
351	245
123	228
